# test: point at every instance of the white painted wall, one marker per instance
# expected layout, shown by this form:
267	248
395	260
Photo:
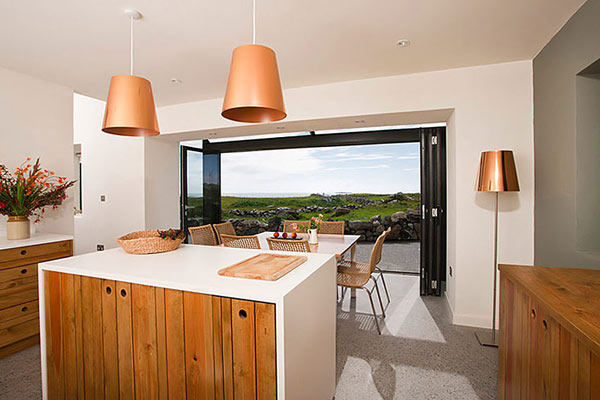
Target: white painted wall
36	120
493	109
112	166
161	184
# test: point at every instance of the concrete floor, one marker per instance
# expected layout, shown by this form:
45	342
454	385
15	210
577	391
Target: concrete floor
397	256
420	355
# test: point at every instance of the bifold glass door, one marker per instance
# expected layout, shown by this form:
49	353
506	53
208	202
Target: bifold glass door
433	211
200	187
192	193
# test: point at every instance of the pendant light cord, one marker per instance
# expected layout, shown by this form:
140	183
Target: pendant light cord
131	45
253	21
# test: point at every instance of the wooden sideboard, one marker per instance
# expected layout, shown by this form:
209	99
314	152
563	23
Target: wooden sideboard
549	344
19	317
111	339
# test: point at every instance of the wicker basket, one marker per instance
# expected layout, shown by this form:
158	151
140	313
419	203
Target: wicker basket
147	242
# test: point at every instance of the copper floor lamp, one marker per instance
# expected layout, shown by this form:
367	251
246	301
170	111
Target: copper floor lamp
497	173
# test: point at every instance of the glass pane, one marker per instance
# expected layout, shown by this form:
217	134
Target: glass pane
194	201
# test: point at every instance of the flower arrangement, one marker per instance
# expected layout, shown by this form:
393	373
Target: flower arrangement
30	189
313	223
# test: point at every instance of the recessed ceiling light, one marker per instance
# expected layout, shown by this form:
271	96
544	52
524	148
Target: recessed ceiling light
175	80
403	42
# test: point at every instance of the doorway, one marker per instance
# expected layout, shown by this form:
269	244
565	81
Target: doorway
202	183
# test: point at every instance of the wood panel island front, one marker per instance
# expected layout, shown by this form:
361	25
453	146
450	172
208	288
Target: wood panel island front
115	325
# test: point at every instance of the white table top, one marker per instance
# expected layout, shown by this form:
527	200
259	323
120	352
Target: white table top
191	268
38	238
328	244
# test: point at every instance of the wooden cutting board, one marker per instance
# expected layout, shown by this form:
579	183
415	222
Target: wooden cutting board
266	267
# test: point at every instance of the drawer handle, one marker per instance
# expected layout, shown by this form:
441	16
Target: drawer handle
243	314
123	292
23	252
108	290
24	309
545	325
533	313
23	271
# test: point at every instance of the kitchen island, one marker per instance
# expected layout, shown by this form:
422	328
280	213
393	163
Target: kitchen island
115	325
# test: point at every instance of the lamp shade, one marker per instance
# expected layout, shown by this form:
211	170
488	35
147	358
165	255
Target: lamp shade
130	107
254	90
497	172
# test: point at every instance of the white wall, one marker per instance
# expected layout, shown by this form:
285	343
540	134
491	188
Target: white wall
493	109
112	166
161	184
36	120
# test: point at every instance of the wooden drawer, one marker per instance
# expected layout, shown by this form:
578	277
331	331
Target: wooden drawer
18	272
17	285
19	311
33	254
18	329
18	297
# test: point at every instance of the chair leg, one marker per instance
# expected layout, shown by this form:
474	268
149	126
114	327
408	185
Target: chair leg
379	297
374	313
387	294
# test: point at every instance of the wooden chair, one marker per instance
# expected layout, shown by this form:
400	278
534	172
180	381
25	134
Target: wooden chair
355	275
223	228
294	226
203	235
332	227
240	242
300	246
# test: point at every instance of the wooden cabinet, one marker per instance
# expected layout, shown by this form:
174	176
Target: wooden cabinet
549	333
19	325
108	339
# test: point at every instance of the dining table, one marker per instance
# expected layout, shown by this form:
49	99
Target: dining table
338	245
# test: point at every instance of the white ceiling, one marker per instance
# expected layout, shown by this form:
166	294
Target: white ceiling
81	43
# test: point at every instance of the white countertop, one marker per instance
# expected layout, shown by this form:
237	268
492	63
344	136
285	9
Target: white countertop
37	238
191	268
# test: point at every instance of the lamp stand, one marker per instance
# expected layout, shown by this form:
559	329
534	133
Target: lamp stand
487	338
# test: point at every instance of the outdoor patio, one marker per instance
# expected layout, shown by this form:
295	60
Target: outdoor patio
397	256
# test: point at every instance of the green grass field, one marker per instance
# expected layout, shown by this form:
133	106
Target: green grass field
404	202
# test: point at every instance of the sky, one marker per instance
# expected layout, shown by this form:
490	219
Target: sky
386	168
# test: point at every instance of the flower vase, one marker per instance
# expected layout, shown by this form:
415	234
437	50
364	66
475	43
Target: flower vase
313	237
17	228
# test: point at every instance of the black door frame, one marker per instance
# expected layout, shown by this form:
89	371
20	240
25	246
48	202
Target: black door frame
433	160
433	211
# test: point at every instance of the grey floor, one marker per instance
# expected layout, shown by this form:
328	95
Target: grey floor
420	355
397	256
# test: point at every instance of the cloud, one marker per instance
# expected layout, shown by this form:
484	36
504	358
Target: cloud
353	168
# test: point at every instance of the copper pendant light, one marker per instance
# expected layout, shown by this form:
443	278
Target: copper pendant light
254	89
130	109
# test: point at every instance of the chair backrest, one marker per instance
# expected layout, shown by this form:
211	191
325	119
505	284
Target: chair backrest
223	228
332	227
241	242
377	248
203	235
300	246
294	226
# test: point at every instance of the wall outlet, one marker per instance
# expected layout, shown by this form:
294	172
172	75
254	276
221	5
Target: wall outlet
450	270
102	198
100	247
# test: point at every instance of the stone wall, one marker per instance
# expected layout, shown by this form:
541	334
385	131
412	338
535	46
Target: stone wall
404	225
